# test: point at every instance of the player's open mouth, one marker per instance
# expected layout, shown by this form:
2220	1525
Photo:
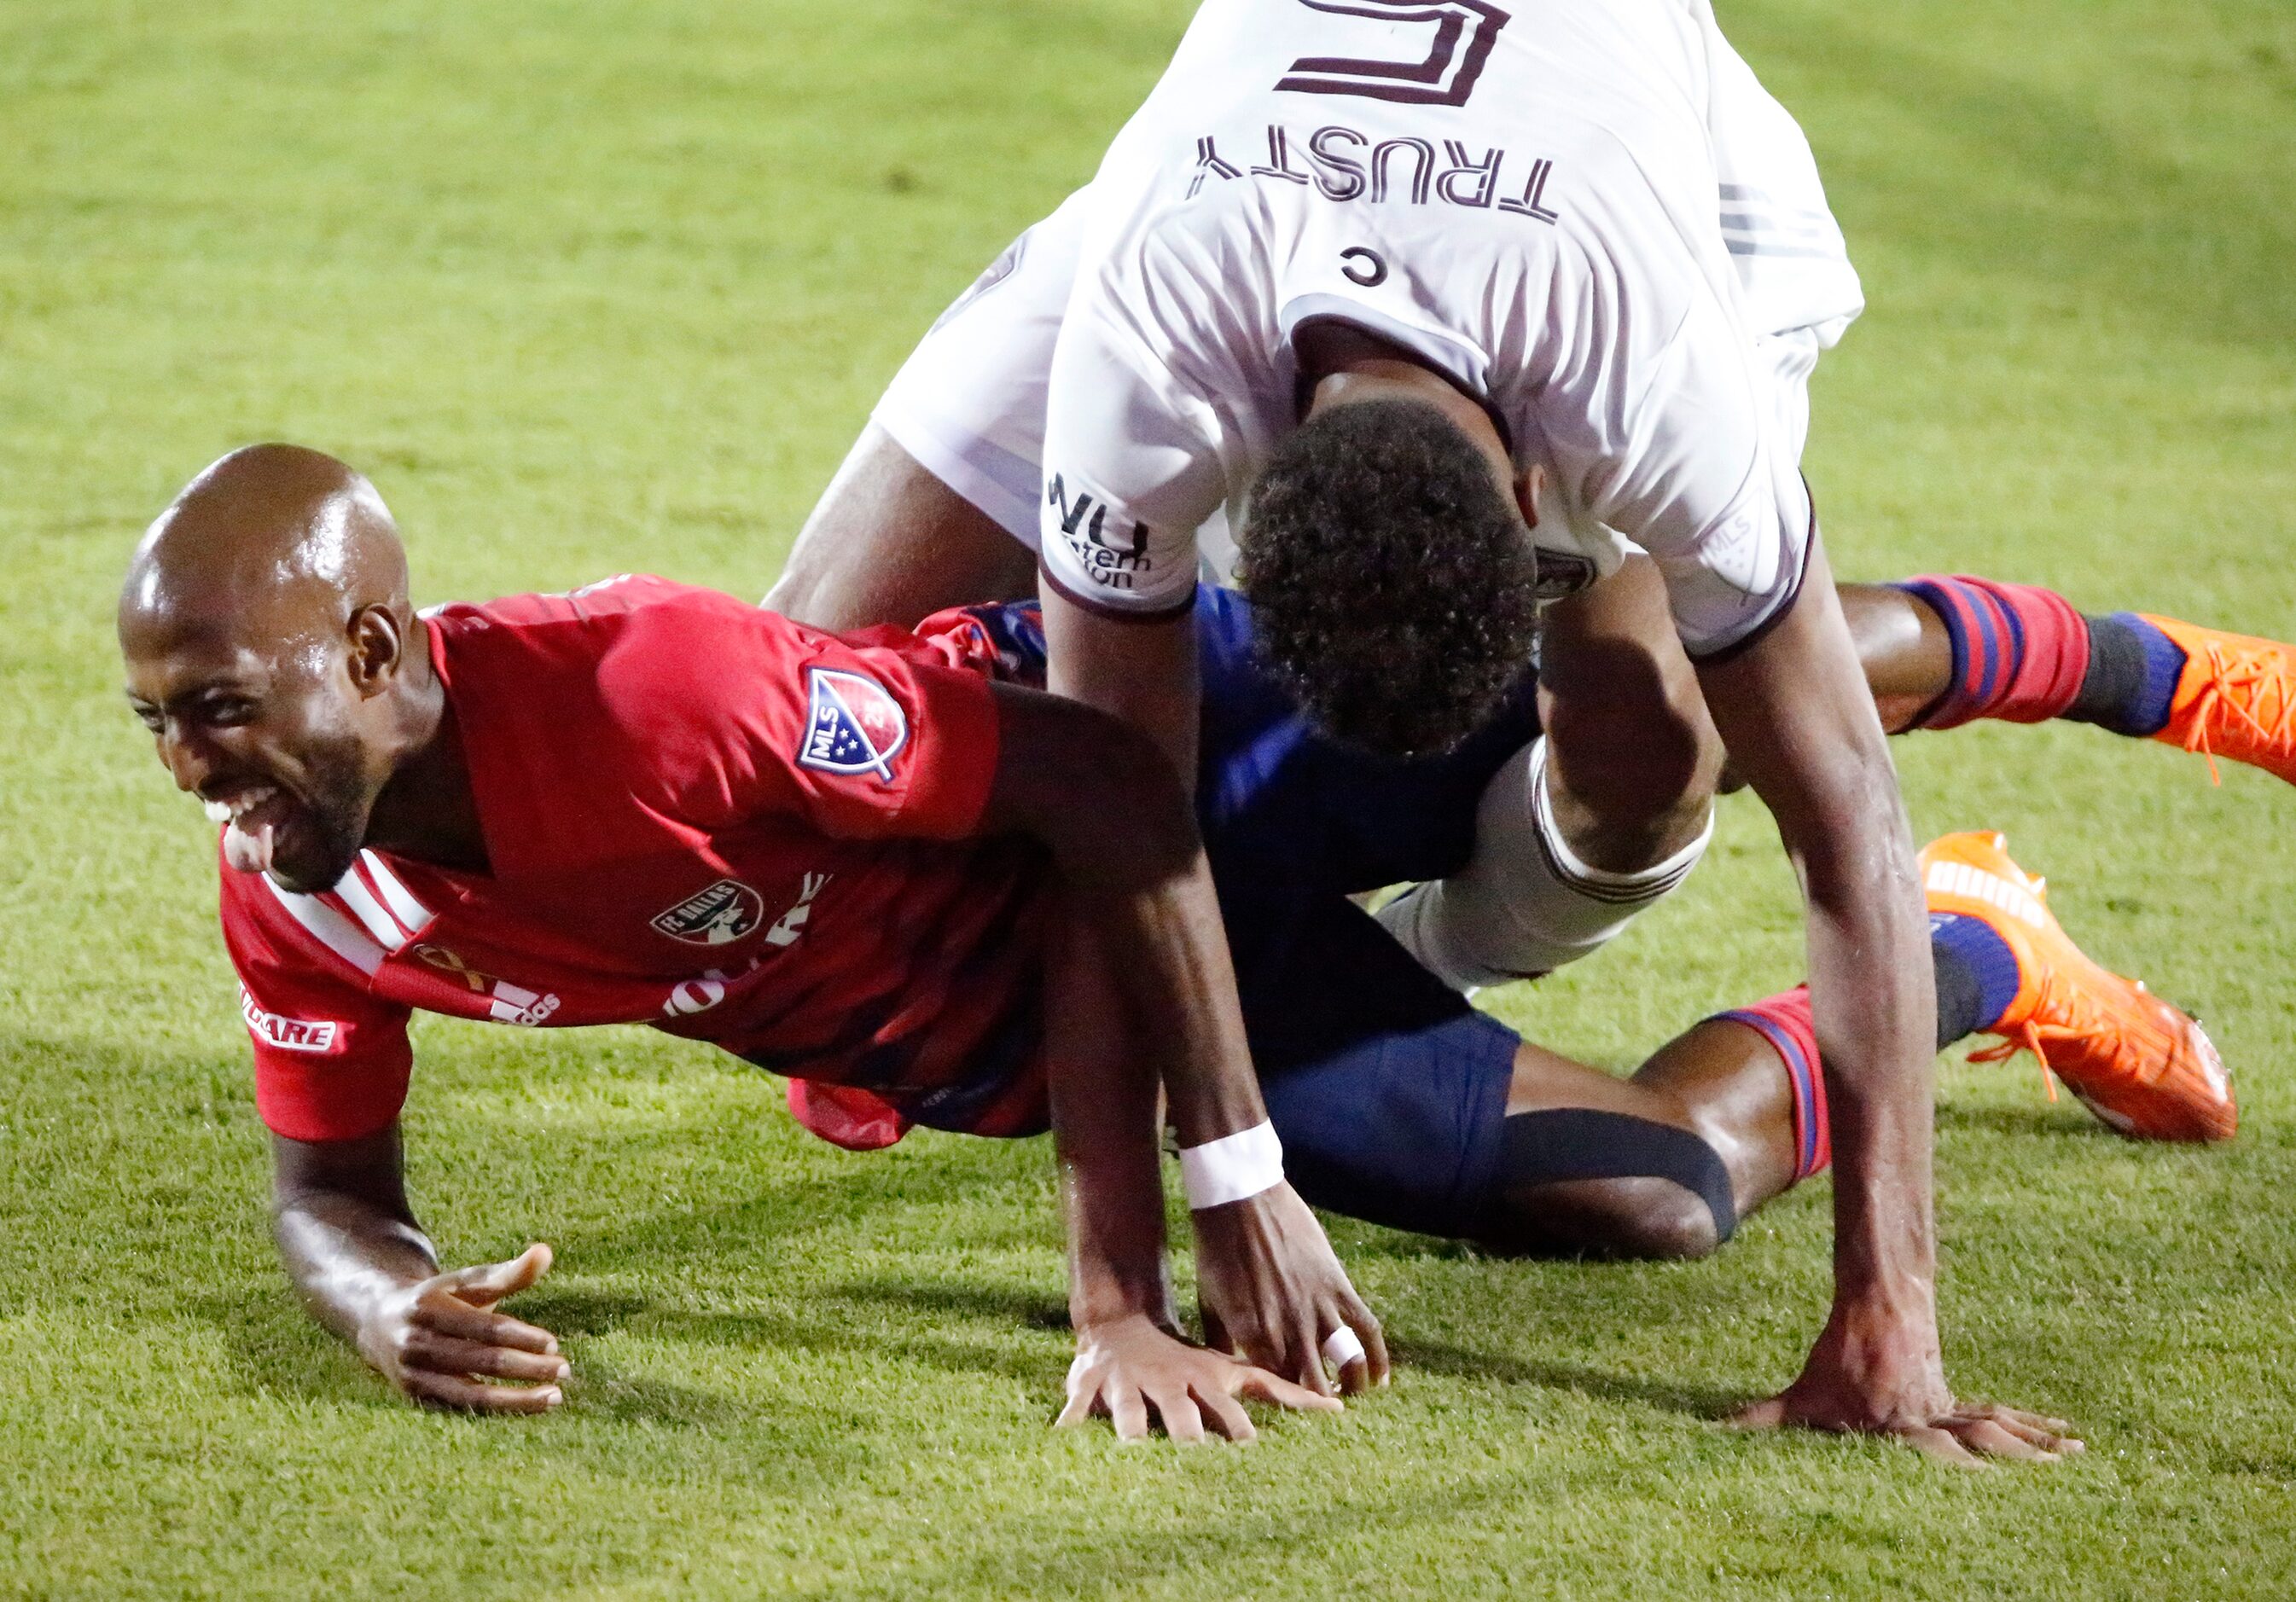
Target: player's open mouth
251	819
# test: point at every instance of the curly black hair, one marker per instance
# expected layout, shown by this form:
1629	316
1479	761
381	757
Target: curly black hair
1393	584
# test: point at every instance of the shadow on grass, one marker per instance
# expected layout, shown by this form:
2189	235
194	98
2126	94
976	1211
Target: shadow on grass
967	1300
2040	1121
273	1347
1457	1362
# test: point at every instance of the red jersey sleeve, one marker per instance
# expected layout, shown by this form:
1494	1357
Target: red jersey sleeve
745	713
332	1058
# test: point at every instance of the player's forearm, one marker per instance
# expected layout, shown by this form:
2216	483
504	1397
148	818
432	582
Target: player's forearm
1152	911
1873	998
1171	956
1795	712
346	1235
1102	798
1144	672
1104	1103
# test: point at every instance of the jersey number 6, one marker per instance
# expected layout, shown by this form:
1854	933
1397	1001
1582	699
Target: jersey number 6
1464	32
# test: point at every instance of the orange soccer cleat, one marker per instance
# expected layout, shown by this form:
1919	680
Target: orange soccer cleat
2237	697
2136	1061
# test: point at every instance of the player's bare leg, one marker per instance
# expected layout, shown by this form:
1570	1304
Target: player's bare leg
1631	755
1907	655
1603	816
1713	1105
889	543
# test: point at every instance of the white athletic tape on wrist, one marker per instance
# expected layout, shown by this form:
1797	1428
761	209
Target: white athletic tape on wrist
1342	1347
1232	1167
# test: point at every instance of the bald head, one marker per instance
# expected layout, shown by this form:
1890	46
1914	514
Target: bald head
271	646
272	539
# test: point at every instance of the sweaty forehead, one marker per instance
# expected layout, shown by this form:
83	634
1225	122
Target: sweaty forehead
174	643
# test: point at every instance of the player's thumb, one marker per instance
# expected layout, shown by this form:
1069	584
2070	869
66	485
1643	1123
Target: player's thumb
487	1283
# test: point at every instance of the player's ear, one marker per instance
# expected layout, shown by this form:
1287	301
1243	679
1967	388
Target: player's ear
1528	487
378	648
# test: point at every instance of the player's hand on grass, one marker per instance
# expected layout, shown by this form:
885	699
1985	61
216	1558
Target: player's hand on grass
1896	1387
1271	1290
1132	1367
440	1341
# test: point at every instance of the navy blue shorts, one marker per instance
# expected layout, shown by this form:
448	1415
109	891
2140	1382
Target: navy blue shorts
1388	1090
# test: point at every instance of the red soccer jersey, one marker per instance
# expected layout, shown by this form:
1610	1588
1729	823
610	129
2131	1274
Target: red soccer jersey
700	816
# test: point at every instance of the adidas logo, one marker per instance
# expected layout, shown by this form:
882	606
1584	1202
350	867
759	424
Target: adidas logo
1959	878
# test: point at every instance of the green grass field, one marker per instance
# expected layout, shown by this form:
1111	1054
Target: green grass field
587	286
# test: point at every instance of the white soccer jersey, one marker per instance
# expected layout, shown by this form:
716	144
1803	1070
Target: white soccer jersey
1525	196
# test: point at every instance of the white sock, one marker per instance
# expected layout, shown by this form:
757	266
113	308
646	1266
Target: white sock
1524	904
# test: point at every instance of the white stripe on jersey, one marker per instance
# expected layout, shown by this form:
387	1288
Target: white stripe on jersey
1756	223
361	901
410	914
329	928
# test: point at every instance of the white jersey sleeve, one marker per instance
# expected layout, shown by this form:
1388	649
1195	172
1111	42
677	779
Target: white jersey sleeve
1131	472
1686	451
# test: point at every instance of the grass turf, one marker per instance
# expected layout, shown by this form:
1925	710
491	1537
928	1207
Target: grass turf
593	286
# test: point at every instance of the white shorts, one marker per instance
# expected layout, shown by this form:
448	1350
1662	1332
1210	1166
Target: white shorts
969	404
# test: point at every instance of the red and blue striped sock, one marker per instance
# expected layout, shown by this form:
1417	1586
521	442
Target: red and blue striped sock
1977	979
1785	1022
2024	655
2018	652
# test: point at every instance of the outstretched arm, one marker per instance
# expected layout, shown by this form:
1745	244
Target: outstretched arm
1145	942
1799	723
366	1269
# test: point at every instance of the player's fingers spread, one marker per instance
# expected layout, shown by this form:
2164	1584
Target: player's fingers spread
1129	1413
1374	1340
1182	1420
1084	1401
1984	1435
468	1395
1226	1414
442	1312
1261	1386
2058	1432
1343	1350
1940	1444
1305	1359
2028	1429
446	1355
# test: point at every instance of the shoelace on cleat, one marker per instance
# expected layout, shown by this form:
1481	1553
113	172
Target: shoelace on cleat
2084	1022
2265	676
